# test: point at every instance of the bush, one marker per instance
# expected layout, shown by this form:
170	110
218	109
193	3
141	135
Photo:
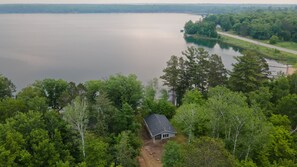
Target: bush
273	40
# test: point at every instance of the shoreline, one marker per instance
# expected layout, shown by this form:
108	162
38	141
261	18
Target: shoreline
270	53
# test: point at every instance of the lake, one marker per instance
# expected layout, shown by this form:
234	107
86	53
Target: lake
81	47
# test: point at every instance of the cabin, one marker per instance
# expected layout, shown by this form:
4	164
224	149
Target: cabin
159	127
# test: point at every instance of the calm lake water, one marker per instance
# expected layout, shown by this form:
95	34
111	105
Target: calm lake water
81	47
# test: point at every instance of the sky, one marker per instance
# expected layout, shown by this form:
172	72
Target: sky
149	1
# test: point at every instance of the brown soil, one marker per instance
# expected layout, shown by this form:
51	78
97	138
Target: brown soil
151	153
291	70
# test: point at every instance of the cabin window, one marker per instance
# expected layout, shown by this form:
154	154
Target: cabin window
165	135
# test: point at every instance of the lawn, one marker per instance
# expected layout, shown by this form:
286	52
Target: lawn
288	45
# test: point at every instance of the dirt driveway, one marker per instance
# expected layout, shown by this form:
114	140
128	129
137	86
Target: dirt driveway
151	153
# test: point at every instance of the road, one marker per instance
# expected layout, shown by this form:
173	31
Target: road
258	43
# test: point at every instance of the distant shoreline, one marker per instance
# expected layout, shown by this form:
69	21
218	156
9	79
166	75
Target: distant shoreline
202	9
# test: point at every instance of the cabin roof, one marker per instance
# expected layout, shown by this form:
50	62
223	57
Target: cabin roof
158	124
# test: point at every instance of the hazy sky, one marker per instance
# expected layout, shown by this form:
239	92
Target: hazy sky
152	1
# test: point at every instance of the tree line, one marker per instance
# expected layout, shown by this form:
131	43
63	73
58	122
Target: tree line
240	117
273	25
134	8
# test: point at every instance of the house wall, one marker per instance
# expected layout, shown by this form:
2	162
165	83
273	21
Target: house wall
167	135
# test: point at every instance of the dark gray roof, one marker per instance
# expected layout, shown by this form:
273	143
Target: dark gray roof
158	124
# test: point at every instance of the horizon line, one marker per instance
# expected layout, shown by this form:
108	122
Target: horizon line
189	3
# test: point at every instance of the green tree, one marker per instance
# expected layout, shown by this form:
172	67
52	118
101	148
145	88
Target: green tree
93	89
273	40
172	154
26	141
190	27
208	152
7	88
53	90
9	107
151	90
96	151
170	77
124	89
288	106
293	83
280	88
280	121
197	65
225	22
102	116
261	98
217	72
125	120
193	97
76	114
183	81
243	129
125	152
249	73
191	119
280	146
33	99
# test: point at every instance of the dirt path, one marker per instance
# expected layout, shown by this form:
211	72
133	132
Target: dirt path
151	153
258	43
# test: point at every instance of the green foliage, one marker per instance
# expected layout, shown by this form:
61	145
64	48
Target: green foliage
172	154
25	141
208	152
261	98
191	119
33	99
9	107
293	83
125	120
53	90
171	75
96	151
198	70
262	24
273	40
102	115
288	106
203	28
123	89
126	149
243	129
150	91
76	114
225	22
217	74
247	163
193	97
281	121
7	88
92	89
249	73
280	88
158	107
281	145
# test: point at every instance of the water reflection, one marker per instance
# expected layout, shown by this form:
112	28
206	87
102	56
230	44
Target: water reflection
228	53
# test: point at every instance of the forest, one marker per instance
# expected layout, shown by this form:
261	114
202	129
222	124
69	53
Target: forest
235	118
272	25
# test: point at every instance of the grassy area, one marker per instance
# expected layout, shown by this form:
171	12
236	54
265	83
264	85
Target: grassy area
288	45
283	44
284	57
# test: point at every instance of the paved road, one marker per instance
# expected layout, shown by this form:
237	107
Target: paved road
258	43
